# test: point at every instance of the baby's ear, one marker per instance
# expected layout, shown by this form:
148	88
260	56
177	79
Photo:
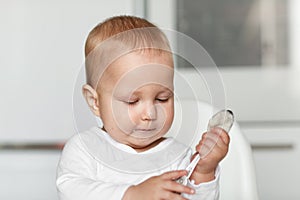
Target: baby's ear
91	98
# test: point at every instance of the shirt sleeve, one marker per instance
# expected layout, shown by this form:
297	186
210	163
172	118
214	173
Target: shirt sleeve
208	190
76	176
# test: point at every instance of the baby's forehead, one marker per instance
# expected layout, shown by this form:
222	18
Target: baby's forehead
143	90
135	70
134	60
142	65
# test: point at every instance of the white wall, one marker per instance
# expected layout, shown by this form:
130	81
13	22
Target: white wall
41	48
256	94
41	53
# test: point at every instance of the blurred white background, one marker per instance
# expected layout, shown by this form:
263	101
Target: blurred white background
41	55
254	43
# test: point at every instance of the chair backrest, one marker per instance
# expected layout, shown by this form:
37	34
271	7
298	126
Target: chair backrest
238	180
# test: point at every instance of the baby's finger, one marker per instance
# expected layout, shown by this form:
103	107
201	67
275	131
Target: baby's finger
178	188
173	196
208	140
223	142
225	137
205	147
213	135
221	134
173	175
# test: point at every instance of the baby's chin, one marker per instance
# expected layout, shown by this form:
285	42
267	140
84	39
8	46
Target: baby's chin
144	144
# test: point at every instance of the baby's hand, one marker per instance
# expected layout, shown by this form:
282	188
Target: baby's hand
205	169
159	187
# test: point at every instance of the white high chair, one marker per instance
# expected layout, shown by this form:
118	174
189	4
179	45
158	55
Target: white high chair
238	181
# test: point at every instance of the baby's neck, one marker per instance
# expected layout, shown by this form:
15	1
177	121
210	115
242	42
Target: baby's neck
141	149
150	146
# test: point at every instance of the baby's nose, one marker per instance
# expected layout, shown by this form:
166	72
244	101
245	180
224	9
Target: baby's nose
149	112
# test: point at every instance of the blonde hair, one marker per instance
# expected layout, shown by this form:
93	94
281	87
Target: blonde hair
118	36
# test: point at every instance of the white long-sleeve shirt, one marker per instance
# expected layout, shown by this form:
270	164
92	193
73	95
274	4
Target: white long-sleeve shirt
87	171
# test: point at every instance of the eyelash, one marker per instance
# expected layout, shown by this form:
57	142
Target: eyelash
134	102
131	102
163	100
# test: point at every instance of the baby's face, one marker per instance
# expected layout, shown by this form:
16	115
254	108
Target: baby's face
136	99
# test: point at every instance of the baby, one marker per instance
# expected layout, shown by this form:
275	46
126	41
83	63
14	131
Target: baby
129	71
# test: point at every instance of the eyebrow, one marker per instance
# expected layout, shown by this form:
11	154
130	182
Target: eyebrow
166	90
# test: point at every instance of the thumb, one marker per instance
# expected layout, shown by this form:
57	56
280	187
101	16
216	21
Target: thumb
172	175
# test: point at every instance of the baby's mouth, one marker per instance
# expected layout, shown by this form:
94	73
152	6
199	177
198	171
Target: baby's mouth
144	130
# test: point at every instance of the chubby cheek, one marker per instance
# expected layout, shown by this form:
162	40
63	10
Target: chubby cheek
122	117
127	118
169	115
133	115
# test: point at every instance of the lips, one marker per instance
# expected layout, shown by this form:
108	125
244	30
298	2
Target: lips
144	129
144	133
